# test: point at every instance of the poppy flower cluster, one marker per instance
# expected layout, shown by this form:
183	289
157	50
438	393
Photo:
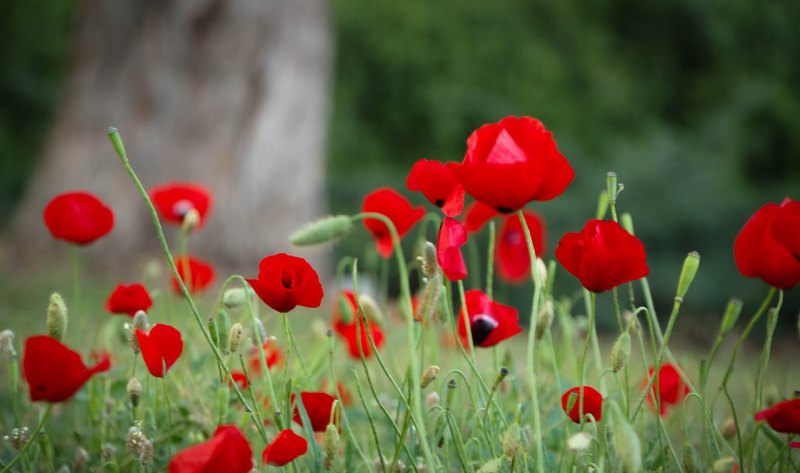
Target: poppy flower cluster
356	327
285	282
78	217
768	246
668	388
490	322
592	403
53	371
128	299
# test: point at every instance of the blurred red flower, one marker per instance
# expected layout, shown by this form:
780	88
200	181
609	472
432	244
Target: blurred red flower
174	200
782	417
490	322
671	389
768	247
272	356
78	217
511	252
227	450
200	274
284	448
285	282
349	329
318	406
53	371
128	299
477	215
602	256
438	184
239	378
452	236
592	403
512	162
396	208
161	348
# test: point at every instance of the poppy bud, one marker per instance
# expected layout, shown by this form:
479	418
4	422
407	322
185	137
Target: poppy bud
7	342
621	352
432	400
495	465
224	326
724	465
544	320
223	400
728	429
116	142
259	332
690	460
602	205
235	298
430	265
627	222
631	322
732	312
190	220
331	445
372	311
322	231
579	442
235	337
626	443
213	330
56	317
140	322
429	299
688	272
541	268
81	457
134	391
512	441
346	310
429	375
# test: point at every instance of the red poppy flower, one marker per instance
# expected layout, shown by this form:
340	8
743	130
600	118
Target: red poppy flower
78	217
272	356
592	403
285	282
53	371
512	162
396	208
477	216
511	252
128	299
671	388
782	417
161	348
239	378
227	450
602	256
438	184
201	274
173	201
490	322
349	330
452	236
318	407
768	247
284	448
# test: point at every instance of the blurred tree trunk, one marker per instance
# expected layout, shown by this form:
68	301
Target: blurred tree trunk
231	94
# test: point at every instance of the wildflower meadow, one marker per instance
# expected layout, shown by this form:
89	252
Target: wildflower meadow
283	369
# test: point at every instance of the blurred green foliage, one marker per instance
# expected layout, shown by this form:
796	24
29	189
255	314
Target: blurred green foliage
693	104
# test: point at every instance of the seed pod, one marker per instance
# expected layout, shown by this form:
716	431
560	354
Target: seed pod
429	375
512	441
430	265
621	352
134	391
322	231
235	337
57	318
545	319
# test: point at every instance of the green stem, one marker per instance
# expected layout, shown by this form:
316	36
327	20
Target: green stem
30	441
76	277
490	261
584	352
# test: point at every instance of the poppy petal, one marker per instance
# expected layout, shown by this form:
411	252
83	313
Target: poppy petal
284	448
161	348
452	236
78	217
397	209
438	184
227	450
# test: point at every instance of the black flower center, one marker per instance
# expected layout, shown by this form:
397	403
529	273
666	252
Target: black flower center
439	202
504	210
287	278
481	327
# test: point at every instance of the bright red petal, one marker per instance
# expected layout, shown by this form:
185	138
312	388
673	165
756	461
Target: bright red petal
397	209
174	200
128	299
452	236
227	450
78	217
438	184
511	250
318	406
284	448
54	372
592	403
477	215
160	348
195	273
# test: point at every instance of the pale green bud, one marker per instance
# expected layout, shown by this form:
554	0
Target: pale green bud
690	460
346	312
235	337
724	465
331	445
430	263
688	273
626	442
371	309
429	375
627	222
611	187
140	322
322	231
134	391
602	205
545	319
732	312
512	441
7	342
235	298
621	352
190	220
57	318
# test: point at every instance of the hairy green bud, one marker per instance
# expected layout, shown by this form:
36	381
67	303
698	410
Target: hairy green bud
57	318
322	231
621	352
688	273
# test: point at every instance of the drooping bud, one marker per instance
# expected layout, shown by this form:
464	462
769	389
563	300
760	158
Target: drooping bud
545	319
346	312
322	231
621	352
690	459
732	312
429	375
688	273
631	322
331	445
626	442
512	441
7	342
190	220
235	337
579	442
57	318
371	309
430	265
140	322
235	297
134	391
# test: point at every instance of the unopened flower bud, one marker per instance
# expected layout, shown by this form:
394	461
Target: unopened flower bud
432	399
429	375
235	337
545	319
331	445
631	322
626	442
728	429
512	441
430	265
690	459
541	268
724	465
346	310
57	317
213	330
688	273
322	231
235	298
602	205
190	220
732	312
621	352
134	391
579	442
371	309
495	465
139	322
429	299
627	222
7	342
